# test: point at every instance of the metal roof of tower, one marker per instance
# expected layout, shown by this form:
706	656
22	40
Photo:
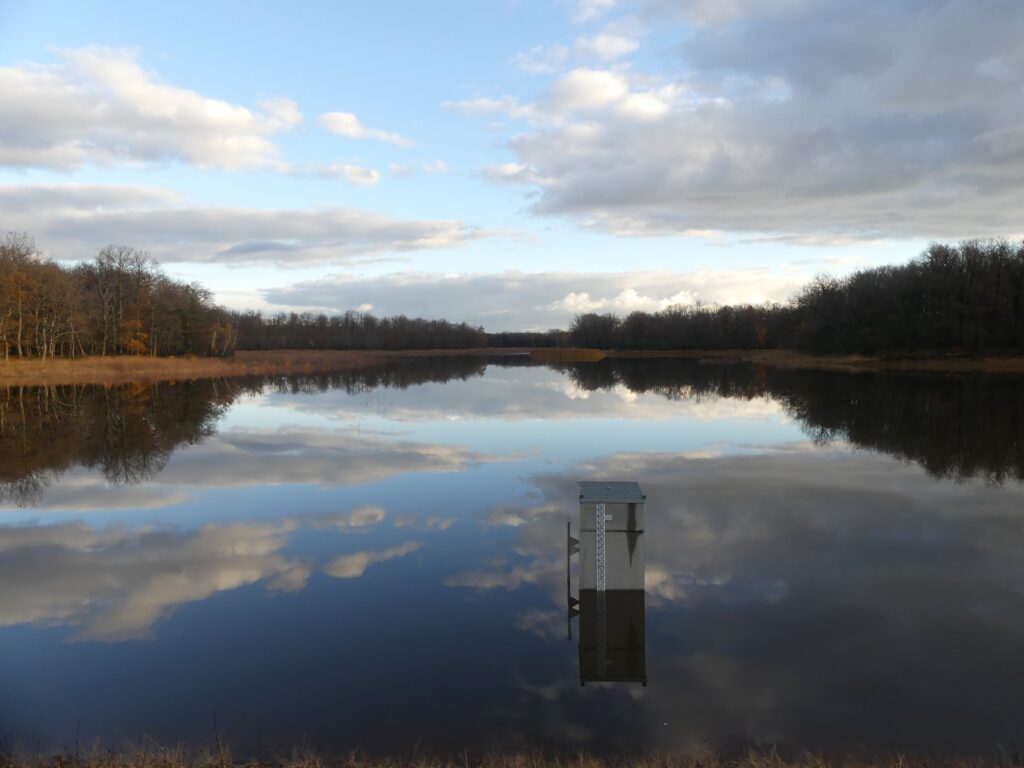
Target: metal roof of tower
610	490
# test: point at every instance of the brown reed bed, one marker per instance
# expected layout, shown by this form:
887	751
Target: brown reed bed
551	355
160	757
111	371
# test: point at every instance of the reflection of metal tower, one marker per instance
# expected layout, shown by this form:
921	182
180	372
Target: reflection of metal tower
611	601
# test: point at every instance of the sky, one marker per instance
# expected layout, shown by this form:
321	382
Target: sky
510	163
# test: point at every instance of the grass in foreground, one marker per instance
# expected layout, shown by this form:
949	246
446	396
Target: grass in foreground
155	757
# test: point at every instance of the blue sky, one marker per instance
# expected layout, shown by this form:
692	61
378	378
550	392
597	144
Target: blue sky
510	162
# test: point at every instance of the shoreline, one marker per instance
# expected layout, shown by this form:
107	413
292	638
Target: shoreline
785	358
113	371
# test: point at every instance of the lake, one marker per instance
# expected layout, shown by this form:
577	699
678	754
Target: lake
376	559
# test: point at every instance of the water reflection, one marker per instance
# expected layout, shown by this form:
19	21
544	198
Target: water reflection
322	569
957	427
116	583
129	432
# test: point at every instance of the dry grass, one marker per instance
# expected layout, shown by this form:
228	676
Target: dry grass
110	371
156	757
549	355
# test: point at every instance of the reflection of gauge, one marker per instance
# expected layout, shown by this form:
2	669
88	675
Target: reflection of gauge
611	592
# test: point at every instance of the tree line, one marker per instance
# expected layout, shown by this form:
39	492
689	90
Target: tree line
352	330
123	304
953	298
118	304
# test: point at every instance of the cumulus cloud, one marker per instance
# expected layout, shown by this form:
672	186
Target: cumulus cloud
803	121
101	106
323	457
606	46
354	174
248	458
519	300
587	10
116	583
548	59
348	125
74	220
355	565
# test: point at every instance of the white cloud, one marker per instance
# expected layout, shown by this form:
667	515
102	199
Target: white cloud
548	59
73	221
606	46
587	10
791	120
435	166
348	125
360	517
541	59
355	565
101	106
586	89
520	300
116	583
356	174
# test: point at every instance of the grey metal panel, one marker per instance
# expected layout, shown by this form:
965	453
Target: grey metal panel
620	516
624	560
610	490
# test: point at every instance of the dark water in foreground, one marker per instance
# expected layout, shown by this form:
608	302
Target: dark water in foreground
377	559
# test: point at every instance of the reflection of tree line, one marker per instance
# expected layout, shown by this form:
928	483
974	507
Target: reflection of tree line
392	374
129	432
959	427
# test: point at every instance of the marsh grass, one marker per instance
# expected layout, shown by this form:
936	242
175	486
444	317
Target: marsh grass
551	355
113	371
149	756
110	371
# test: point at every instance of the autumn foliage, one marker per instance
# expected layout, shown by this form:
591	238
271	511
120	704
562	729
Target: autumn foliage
118	304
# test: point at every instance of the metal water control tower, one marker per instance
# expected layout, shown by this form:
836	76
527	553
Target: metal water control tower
611	591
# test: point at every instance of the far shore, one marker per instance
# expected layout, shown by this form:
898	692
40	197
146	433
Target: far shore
111	371
785	358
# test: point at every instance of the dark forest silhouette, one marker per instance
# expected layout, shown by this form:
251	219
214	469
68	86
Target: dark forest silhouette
964	298
967	298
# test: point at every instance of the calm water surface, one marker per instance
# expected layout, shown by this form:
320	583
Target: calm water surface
377	559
